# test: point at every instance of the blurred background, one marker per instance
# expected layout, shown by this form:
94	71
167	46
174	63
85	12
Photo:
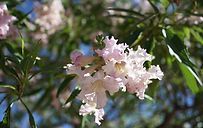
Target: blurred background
59	27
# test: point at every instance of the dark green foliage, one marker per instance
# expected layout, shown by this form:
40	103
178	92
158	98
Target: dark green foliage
31	118
73	95
64	84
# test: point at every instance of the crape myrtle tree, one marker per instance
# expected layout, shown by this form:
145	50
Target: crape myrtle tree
101	63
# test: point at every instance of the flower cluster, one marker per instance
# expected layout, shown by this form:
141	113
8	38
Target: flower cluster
48	17
114	67
6	22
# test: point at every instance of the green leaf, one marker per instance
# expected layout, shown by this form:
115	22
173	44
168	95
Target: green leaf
178	49
189	78
99	44
5	123
139	38
7	86
31	118
28	62
84	118
13	59
10	48
64	83
186	31
152	89
197	36
148	97
7	69
165	3
22	44
21	16
8	89
130	11
30	92
73	95
2	100
122	16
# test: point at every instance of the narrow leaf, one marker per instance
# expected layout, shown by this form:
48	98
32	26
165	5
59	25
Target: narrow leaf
22	44
122	16
23	16
10	48
197	36
5	123
84	118
127	11
64	83
8	89
30	59
2	100
73	95
148	97
189	78
178	49
7	86
31	118
29	92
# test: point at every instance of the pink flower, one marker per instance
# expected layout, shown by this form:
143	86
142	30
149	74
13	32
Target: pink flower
116	71
90	107
80	74
6	21
138	76
98	84
74	55
49	18
112	50
80	60
138	57
155	72
117	67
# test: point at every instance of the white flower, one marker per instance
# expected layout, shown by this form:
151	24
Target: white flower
155	72
98	84
138	57
6	22
116	71
138	76
80	60
120	67
112	50
75	55
90	107
49	16
49	19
